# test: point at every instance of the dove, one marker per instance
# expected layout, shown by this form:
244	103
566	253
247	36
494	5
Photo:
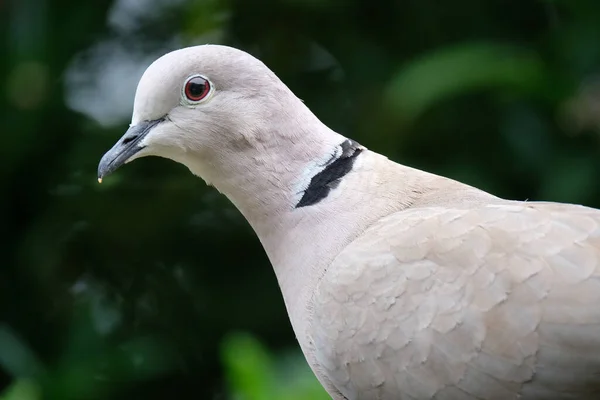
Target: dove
399	284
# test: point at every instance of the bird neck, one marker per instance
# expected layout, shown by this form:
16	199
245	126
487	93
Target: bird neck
307	192
270	166
301	242
307	201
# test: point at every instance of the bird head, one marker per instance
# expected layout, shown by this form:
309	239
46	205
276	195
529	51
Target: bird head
197	103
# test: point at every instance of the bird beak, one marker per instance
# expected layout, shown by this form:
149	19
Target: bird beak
126	147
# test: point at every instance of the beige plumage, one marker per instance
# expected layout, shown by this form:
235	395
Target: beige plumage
399	284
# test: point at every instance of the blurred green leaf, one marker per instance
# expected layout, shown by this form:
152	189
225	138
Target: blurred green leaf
22	389
452	71
248	367
254	375
16	357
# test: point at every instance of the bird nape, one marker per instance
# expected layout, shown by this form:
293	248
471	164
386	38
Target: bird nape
399	284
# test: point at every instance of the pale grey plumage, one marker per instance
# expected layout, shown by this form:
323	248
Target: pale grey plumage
399	284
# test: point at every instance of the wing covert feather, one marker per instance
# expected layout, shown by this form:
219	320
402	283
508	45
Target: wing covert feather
497	302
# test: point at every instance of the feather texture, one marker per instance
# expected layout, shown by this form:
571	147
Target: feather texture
494	302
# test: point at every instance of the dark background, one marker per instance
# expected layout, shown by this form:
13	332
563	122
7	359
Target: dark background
151	285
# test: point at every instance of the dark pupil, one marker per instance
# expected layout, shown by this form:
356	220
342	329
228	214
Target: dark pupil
196	87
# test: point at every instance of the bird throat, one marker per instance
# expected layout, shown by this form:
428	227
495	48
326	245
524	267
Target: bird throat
330	176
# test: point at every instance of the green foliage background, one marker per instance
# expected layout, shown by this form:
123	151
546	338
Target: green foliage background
151	285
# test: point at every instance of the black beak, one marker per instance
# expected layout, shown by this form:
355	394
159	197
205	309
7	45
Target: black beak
126	147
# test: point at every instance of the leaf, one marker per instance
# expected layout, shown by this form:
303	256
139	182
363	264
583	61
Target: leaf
22	389
248	367
16	357
452	71
254	375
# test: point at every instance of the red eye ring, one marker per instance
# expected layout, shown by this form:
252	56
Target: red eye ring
196	88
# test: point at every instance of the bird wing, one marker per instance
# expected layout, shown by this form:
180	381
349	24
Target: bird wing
496	302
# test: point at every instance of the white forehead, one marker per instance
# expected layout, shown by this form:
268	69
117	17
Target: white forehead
160	87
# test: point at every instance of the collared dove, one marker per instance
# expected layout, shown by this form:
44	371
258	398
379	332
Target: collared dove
399	284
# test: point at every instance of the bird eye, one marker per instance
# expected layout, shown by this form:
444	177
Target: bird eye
196	88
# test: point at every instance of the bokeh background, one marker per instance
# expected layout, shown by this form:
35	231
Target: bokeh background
151	285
